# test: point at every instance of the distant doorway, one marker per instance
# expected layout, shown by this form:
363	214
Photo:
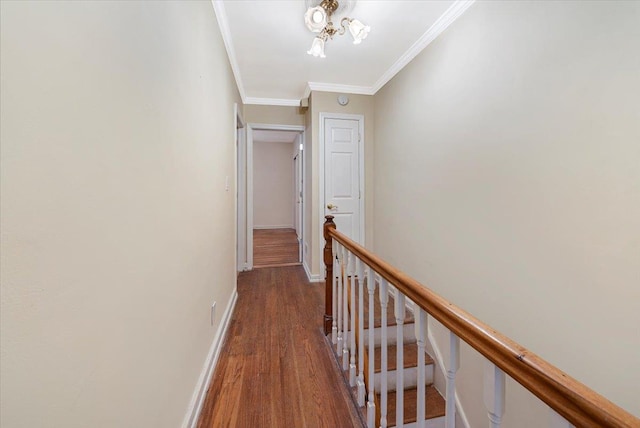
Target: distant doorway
275	162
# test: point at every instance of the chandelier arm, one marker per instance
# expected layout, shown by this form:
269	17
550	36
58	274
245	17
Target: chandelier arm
344	24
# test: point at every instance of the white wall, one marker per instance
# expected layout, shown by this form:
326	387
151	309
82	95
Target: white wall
272	185
508	180
274	115
117	232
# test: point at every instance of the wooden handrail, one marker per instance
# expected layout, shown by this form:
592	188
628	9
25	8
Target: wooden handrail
577	403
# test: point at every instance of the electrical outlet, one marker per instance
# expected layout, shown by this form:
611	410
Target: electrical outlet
213	313
226	183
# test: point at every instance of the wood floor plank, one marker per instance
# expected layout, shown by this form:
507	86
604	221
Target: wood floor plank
275	247
275	368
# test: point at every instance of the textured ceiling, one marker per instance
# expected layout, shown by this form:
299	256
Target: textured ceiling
267	42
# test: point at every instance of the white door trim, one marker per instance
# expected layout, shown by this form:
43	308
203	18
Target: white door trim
298	189
360	119
266	127
241	188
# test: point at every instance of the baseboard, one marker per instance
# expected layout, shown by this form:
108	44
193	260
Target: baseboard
440	363
197	400
277	226
311	278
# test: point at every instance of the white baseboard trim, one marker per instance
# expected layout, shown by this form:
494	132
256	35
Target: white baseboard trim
277	226
197	400
440	363
311	278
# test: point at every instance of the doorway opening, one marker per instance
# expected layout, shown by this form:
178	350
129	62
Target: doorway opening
275	162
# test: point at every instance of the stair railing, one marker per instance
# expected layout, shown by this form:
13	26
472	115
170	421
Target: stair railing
352	270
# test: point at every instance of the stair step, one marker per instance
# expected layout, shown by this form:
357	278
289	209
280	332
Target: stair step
408	334
377	313
435	405
410	357
409	378
410	370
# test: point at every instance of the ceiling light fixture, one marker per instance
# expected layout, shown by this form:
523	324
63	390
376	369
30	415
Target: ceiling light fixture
318	20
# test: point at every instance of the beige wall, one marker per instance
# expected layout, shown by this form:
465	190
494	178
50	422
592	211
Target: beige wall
274	115
117	232
272	185
507	160
326	102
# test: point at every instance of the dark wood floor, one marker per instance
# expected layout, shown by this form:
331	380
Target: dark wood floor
275	368
275	247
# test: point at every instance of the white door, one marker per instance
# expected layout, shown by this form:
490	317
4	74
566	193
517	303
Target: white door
342	175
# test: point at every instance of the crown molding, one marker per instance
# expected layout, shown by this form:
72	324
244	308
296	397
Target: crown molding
272	101
307	91
221	17
446	19
334	87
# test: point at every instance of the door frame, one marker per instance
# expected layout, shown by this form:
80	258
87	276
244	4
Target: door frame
321	147
240	148
298	188
266	127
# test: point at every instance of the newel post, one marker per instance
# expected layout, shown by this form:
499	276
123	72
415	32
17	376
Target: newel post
328	263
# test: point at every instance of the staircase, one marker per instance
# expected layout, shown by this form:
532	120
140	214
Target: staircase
434	403
383	384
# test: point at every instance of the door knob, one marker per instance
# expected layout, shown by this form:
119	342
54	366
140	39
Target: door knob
331	206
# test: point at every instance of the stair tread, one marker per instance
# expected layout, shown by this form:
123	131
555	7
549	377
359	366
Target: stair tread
377	313
410	357
435	405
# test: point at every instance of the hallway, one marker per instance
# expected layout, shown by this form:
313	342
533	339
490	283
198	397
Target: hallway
275	369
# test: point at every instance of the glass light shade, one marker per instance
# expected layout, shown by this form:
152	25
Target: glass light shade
315	18
317	48
358	31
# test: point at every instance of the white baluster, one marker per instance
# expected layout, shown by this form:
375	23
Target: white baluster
494	393
345	310
399	314
557	421
360	381
371	405
421	338
384	302
334	281
454	365
352	281
339	308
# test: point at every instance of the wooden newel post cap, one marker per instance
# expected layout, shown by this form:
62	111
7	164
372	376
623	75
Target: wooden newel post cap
328	224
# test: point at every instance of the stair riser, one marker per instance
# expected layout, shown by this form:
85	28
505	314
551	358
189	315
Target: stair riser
408	330
410	377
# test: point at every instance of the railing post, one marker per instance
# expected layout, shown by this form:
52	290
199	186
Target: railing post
328	285
494	393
